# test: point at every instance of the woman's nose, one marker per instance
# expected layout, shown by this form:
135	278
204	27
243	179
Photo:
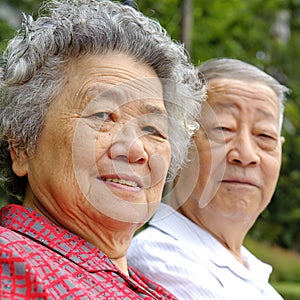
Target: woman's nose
128	146
243	150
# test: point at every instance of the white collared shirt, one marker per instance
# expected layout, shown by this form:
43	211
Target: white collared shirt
192	264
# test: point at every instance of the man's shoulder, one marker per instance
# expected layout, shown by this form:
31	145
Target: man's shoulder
152	234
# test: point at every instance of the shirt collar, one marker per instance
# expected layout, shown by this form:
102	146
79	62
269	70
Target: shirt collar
166	218
33	225
173	223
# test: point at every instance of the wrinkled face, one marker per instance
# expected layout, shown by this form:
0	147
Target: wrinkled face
239	148
104	148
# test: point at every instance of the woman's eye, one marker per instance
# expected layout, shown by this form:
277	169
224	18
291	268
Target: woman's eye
153	131
222	128
103	115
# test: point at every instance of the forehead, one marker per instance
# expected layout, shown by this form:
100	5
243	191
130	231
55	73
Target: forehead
233	94
113	76
133	92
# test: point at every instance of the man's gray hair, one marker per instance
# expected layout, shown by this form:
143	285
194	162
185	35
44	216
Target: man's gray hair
236	69
32	72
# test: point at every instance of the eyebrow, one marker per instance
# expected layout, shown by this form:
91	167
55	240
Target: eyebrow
233	105
225	105
153	109
266	114
119	95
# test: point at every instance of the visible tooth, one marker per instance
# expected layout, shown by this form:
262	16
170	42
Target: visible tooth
131	183
122	181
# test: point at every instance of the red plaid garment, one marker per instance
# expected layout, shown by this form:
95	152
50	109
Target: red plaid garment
39	260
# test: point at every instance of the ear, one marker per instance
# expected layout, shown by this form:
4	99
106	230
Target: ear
19	161
282	140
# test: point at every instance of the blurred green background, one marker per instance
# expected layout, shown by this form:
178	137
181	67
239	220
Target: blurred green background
265	33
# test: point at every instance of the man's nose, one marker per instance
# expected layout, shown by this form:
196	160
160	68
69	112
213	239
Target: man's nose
128	145
243	150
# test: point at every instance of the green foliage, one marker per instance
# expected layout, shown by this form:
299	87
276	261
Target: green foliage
6	33
3	198
27	6
167	12
289	290
286	267
12	16
286	263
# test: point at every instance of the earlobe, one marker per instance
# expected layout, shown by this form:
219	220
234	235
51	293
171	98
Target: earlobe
19	161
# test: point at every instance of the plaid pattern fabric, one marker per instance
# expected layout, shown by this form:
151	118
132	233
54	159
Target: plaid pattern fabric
39	260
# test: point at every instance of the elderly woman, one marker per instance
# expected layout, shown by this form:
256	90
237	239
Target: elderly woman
97	106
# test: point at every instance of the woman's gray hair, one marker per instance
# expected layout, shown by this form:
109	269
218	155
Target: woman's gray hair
236	69
32	72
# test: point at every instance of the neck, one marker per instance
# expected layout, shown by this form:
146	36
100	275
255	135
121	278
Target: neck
121	263
110	236
225	234
114	242
229	232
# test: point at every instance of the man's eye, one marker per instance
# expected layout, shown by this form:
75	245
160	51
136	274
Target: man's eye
219	134
153	131
267	136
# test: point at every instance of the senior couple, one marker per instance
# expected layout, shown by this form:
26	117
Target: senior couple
99	108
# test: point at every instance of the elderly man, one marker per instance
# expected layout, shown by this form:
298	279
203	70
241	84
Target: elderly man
194	245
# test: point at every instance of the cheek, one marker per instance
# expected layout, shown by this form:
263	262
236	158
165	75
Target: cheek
53	155
206	163
271	162
88	145
159	162
271	170
212	162
85	149
211	171
102	143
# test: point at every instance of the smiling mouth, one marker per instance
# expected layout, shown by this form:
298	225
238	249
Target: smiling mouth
121	181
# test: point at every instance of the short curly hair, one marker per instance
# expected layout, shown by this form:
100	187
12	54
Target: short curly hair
32	72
